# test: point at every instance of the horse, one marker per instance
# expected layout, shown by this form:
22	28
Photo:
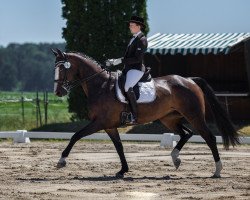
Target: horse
177	98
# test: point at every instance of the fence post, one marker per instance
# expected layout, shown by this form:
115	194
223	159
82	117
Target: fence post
168	140
37	109
46	102
22	104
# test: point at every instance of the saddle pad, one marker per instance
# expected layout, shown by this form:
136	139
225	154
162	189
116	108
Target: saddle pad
146	89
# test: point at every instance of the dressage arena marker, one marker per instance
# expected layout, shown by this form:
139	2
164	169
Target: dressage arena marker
20	137
166	139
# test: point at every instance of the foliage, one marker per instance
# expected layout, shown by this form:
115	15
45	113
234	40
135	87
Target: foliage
27	67
98	27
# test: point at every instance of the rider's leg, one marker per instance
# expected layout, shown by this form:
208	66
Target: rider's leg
133	105
132	77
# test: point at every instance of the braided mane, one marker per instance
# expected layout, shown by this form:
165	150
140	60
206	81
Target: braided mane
87	57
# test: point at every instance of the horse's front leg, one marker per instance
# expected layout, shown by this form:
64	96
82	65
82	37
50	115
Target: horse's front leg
91	128
114	136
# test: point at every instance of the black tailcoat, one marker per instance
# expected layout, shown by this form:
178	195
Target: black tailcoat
133	58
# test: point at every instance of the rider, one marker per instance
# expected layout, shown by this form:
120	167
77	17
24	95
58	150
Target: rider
133	61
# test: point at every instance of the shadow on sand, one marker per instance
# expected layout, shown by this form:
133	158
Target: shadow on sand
129	178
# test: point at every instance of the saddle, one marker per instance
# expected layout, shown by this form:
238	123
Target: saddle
144	90
122	79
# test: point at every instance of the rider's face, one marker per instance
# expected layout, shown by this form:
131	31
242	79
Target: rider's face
134	28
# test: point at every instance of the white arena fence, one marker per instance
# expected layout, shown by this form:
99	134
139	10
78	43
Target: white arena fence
165	139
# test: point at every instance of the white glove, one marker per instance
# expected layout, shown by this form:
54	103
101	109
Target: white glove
114	62
109	62
117	61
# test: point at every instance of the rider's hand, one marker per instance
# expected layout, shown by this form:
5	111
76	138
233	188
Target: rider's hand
109	62
117	61
114	62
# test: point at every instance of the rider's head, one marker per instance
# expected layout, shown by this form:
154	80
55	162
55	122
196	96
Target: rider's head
134	27
136	24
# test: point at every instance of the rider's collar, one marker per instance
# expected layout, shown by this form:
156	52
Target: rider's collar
136	34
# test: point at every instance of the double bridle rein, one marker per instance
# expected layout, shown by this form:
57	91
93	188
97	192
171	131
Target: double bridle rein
68	85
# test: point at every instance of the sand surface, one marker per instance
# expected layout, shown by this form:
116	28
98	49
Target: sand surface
28	172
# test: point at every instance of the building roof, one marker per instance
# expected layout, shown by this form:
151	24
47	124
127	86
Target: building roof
216	43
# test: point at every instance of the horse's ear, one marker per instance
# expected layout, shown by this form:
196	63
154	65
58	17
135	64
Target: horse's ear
60	53
54	52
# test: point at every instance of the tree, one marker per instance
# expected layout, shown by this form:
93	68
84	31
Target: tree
27	67
98	27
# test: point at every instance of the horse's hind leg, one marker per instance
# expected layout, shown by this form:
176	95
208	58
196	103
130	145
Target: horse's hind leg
185	133
200	125
177	127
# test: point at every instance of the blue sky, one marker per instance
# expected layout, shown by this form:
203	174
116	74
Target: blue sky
40	20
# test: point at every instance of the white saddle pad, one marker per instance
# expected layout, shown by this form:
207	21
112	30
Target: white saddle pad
147	92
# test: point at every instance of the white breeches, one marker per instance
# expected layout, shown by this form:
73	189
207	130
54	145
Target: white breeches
132	77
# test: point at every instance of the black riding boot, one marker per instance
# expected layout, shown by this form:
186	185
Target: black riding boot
133	104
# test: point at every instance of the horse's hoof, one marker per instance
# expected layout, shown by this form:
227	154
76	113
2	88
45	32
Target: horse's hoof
216	176
61	164
177	163
119	175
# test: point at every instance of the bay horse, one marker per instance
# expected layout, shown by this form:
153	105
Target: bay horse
177	98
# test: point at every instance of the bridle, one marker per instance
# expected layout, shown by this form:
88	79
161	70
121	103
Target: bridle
68	85
65	83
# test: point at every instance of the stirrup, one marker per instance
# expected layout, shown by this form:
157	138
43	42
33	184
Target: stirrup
132	120
127	118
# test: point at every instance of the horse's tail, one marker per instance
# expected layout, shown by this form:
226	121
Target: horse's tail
224	124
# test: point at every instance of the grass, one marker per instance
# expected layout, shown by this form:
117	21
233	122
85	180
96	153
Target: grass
11	110
59	118
28	95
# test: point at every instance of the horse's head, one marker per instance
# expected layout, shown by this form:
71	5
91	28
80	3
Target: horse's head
64	73
73	69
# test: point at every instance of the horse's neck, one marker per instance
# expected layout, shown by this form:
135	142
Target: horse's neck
92	86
